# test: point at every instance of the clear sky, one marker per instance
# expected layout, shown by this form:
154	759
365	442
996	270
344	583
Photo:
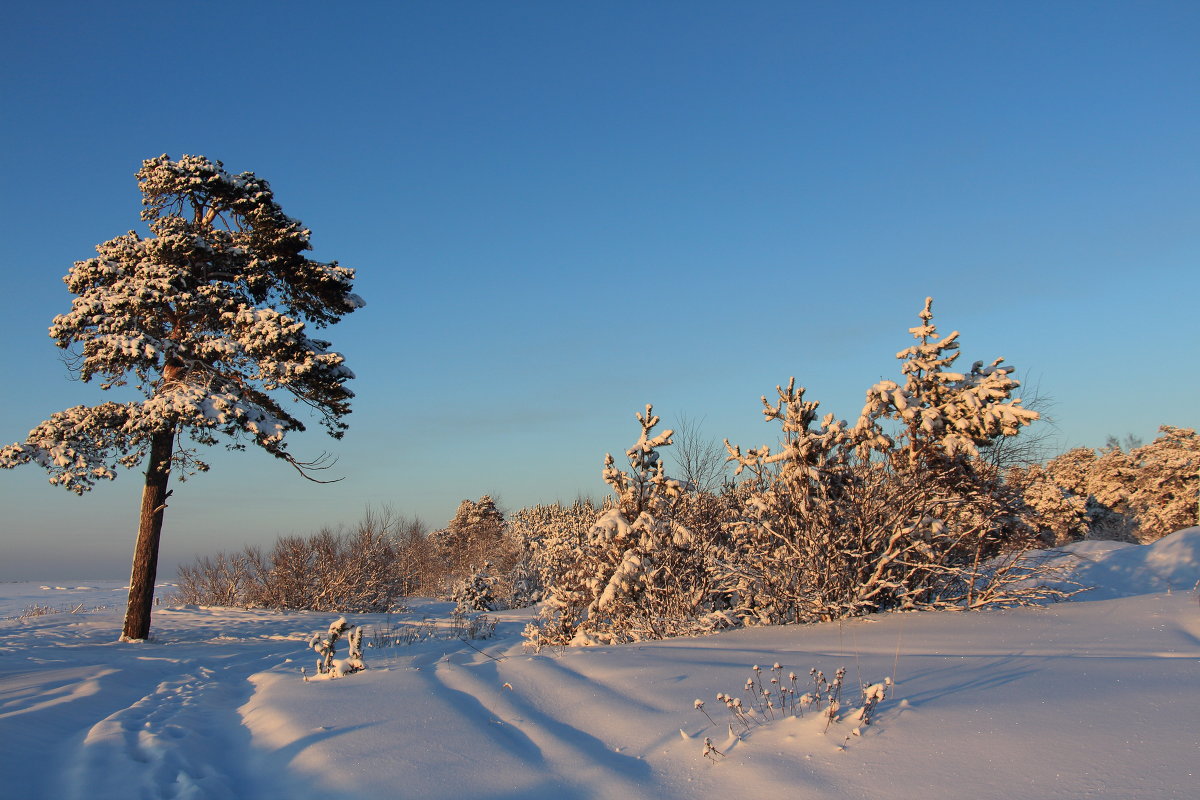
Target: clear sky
562	211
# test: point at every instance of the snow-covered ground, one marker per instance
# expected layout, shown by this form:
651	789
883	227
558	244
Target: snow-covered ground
1092	698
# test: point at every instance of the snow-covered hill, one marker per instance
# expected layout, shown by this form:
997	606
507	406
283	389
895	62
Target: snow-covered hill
1091	698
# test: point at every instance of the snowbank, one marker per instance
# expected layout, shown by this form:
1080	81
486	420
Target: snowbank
1115	569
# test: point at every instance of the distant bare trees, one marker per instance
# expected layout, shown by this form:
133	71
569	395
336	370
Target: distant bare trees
367	569
700	462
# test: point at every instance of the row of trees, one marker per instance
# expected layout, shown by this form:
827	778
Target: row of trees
367	569
479	559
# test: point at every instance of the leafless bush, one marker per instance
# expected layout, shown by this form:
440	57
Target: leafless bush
367	569
469	626
699	461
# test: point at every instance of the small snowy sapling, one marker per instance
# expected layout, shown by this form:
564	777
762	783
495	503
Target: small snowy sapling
325	647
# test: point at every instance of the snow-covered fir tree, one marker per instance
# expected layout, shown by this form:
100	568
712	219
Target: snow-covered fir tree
475	593
476	533
208	318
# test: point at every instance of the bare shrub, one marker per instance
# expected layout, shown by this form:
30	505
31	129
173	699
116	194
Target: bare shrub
367	569
699	461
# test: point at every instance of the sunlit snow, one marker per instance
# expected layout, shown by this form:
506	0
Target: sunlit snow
1089	698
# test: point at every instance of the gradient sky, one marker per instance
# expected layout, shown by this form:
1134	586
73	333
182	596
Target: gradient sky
560	212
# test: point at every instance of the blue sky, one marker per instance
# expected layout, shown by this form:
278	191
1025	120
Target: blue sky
560	212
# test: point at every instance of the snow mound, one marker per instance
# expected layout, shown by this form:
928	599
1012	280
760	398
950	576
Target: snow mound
1114	569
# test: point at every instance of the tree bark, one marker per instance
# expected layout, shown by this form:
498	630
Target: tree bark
145	552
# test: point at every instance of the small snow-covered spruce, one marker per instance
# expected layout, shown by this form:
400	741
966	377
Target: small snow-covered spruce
475	592
208	319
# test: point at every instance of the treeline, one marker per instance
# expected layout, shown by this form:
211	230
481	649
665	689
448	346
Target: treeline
911	506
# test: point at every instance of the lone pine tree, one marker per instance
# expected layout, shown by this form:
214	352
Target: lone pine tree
207	319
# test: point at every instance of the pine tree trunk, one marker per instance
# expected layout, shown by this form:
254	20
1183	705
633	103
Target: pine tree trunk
145	552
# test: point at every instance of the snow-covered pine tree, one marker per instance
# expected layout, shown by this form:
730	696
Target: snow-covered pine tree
1166	490
641	573
477	533
896	511
474	594
207	318
945	416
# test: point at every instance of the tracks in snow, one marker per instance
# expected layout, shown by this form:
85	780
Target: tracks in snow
181	741
134	722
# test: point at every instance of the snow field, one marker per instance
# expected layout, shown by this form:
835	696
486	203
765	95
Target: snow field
1091	698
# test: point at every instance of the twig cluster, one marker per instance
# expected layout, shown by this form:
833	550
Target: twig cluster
775	696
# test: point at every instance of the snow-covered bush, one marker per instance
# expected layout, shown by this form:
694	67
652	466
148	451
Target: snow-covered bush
475	592
641	573
896	511
220	580
325	647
